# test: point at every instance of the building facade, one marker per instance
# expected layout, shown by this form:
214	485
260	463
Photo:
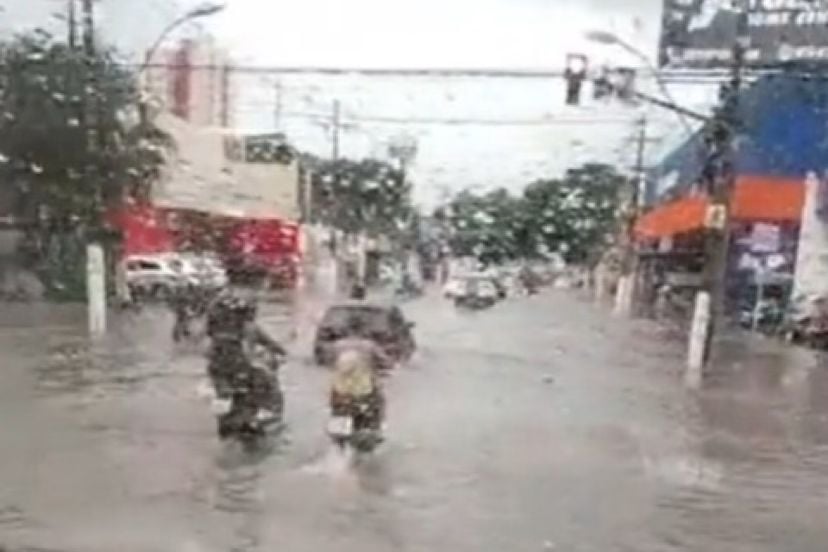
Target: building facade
192	80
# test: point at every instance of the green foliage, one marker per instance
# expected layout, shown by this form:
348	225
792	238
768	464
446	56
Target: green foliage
572	216
360	196
50	97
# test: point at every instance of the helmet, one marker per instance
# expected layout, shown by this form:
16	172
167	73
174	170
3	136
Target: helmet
243	307
229	315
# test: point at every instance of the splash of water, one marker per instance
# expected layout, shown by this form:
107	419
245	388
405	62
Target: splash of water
336	463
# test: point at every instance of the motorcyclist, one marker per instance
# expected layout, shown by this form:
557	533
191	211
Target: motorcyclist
182	303
407	285
528	279
235	341
358	292
358	367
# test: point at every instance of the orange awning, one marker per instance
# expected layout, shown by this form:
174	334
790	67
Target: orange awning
768	199
674	217
755	199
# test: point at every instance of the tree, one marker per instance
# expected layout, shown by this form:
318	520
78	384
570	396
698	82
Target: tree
485	226
360	196
573	216
46	90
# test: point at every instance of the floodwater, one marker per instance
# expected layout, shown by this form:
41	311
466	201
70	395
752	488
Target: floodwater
541	424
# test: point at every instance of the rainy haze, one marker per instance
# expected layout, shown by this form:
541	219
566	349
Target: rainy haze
412	276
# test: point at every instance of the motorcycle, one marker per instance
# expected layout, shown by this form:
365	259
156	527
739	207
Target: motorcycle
356	422
807	323
408	289
408	292
252	405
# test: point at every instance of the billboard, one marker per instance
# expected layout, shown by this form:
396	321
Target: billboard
701	33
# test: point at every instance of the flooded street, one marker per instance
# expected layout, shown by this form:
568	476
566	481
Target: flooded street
542	424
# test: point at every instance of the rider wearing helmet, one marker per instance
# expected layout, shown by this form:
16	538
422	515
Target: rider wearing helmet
358	365
235	336
183	303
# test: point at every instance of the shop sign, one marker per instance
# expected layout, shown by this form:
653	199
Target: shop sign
765	238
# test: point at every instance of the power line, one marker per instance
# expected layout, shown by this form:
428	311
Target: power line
712	76
412	72
455	121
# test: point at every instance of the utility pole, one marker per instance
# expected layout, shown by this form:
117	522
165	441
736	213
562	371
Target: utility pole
95	259
277	110
71	18
719	178
91	92
625	292
336	127
640	176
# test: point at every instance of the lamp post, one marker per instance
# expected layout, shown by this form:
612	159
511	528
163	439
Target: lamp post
199	12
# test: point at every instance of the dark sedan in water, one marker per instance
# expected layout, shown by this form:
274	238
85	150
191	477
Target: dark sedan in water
384	324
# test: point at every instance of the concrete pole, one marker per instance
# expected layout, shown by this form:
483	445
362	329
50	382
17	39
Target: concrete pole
96	289
625	293
698	342
720	186
95	261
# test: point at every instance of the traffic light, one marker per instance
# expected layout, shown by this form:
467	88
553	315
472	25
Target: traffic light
575	74
625	84
618	82
601	86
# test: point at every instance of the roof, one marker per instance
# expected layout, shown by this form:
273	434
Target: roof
754	199
784	136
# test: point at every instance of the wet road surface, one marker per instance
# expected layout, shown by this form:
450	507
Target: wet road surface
542	424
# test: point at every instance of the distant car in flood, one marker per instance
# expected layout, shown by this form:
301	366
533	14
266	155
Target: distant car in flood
460	286
477	292
384	324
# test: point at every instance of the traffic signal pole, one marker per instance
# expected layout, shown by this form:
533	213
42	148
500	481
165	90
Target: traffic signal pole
719	178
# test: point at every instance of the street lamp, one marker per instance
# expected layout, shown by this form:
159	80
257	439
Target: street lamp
204	10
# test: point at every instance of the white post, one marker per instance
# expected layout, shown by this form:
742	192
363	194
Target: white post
698	340
96	289
624	295
121	286
760	294
600	283
362	257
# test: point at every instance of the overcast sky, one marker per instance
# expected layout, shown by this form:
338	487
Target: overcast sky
447	33
422	33
471	33
443	33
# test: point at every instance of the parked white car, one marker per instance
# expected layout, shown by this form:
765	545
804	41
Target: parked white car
204	270
158	275
153	275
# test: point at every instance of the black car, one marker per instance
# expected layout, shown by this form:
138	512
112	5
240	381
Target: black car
384	324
